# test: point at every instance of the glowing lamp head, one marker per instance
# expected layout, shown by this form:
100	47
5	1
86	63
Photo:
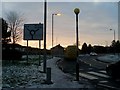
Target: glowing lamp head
58	14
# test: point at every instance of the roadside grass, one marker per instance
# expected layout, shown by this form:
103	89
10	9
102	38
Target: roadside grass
32	60
21	73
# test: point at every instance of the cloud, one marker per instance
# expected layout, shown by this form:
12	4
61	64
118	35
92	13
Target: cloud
95	20
0	9
60	1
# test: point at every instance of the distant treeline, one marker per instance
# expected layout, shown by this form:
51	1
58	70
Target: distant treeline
23	49
113	48
86	49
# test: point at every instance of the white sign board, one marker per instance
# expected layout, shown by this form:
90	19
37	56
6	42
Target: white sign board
33	31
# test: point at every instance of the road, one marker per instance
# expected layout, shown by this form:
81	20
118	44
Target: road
94	70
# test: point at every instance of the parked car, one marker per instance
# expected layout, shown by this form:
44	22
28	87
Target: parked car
93	54
113	70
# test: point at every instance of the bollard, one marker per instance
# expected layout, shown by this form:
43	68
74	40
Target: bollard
48	80
77	71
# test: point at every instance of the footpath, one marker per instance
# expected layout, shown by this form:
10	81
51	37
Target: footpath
61	79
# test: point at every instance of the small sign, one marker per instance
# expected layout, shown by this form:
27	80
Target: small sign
33	32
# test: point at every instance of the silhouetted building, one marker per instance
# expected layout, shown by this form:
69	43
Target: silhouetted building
58	51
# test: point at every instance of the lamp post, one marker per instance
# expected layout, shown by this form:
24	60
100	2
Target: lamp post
114	40
114	34
45	23
53	25
77	11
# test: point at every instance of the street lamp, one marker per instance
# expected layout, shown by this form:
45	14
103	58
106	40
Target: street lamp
45	23
77	11
114	41
114	34
57	14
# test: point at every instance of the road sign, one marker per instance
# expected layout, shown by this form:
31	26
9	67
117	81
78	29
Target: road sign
33	32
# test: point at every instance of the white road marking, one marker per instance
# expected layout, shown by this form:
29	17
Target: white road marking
87	76
103	72
107	86
103	81
99	74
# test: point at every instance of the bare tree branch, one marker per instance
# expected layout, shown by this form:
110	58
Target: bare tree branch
15	22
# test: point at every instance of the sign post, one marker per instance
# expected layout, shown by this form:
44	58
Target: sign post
33	32
39	52
27	51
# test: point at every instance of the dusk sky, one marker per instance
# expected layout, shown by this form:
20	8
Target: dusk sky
95	20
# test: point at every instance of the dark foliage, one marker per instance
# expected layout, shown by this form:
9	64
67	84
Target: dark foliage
113	48
99	49
12	54
8	53
84	48
89	48
70	53
5	32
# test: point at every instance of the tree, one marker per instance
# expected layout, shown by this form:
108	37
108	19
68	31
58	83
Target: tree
99	49
84	48
89	48
113	43
5	33
117	46
15	22
113	46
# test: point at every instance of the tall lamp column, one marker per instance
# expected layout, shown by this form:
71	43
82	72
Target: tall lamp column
114	41
53	26
77	11
114	34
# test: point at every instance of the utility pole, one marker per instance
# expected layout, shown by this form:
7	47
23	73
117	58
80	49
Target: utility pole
45	20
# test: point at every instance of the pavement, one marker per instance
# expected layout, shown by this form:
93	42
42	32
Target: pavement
63	80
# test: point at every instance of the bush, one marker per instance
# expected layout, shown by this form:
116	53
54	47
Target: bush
13	54
71	53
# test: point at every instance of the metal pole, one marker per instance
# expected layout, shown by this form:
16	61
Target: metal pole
77	32
52	34
114	40
45	20
114	34
77	64
52	28
27	51
39	52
